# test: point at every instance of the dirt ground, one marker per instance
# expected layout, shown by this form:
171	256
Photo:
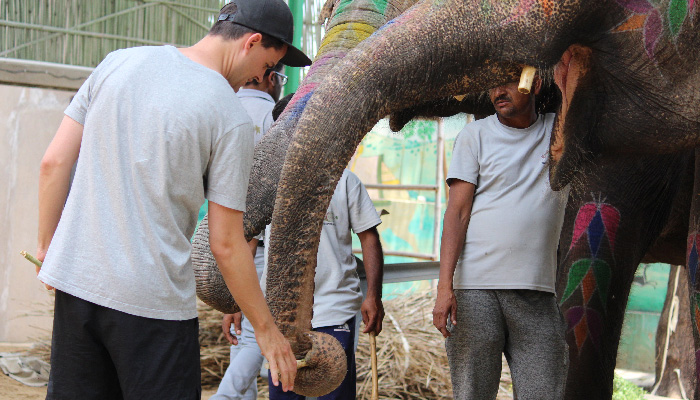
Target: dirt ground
10	389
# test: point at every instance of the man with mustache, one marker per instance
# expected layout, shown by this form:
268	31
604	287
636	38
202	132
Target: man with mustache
498	255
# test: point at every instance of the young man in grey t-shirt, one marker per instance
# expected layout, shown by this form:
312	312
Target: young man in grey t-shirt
498	255
156	134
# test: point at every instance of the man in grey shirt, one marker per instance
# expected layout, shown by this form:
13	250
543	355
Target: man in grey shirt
157	134
498	255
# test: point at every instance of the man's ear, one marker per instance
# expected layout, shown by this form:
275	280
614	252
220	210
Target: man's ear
255	38
271	79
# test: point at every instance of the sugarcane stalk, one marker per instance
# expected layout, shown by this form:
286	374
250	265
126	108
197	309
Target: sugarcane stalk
31	258
300	364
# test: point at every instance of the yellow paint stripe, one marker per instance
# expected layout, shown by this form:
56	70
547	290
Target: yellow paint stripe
357	30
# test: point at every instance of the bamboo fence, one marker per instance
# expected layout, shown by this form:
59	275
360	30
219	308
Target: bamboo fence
83	32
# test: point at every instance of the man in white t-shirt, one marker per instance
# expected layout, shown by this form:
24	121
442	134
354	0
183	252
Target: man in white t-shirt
337	296
154	131
498	255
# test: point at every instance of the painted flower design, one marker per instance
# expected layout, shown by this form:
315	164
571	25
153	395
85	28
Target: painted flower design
596	223
655	19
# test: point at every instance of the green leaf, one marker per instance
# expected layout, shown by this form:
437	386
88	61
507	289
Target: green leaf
677	11
576	273
602	273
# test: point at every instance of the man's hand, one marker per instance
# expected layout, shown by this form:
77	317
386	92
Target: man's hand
226	326
41	255
276	349
445	307
372	314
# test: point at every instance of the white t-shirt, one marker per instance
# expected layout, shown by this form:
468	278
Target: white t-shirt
161	134
516	218
259	106
337	296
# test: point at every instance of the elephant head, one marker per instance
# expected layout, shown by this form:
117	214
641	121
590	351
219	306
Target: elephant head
627	70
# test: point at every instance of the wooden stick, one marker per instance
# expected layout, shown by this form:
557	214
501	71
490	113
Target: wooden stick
30	258
526	78
300	364
375	377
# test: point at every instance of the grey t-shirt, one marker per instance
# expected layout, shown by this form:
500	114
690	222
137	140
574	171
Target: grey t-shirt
337	296
516	218
161	134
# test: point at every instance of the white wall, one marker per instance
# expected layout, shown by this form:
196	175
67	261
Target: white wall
29	118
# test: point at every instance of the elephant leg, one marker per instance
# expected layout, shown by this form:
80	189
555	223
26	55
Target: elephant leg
615	213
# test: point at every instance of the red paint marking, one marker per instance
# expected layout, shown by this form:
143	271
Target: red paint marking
583	219
611	220
581	332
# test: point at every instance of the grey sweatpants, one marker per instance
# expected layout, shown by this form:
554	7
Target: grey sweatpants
525	325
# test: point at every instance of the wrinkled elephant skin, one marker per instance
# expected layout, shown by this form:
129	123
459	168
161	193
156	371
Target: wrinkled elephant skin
630	80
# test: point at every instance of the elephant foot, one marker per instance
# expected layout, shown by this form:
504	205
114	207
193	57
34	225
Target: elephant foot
326	366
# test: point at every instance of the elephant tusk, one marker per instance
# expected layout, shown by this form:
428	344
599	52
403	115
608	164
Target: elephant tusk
31	258
526	78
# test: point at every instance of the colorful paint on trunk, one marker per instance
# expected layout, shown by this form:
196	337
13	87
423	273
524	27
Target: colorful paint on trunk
596	224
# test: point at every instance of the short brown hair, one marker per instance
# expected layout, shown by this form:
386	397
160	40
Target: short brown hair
232	31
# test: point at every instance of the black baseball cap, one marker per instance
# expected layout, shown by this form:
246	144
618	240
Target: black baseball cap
273	18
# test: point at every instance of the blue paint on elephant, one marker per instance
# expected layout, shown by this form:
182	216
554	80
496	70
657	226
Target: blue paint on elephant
596	230
298	106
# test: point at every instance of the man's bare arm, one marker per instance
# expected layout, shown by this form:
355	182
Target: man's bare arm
54	180
373	258
235	261
454	230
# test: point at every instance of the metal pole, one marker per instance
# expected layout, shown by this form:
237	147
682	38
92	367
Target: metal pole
439	178
297	7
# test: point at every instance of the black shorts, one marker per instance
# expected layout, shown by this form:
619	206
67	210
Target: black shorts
101	353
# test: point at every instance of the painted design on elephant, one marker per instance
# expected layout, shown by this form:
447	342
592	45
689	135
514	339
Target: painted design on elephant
595	223
353	30
648	15
379	5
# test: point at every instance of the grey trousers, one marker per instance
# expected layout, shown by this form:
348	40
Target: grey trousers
525	325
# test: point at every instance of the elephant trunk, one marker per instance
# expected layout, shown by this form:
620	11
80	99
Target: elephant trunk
423	54
348	26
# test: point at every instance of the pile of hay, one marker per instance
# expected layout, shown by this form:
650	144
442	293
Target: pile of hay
411	358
